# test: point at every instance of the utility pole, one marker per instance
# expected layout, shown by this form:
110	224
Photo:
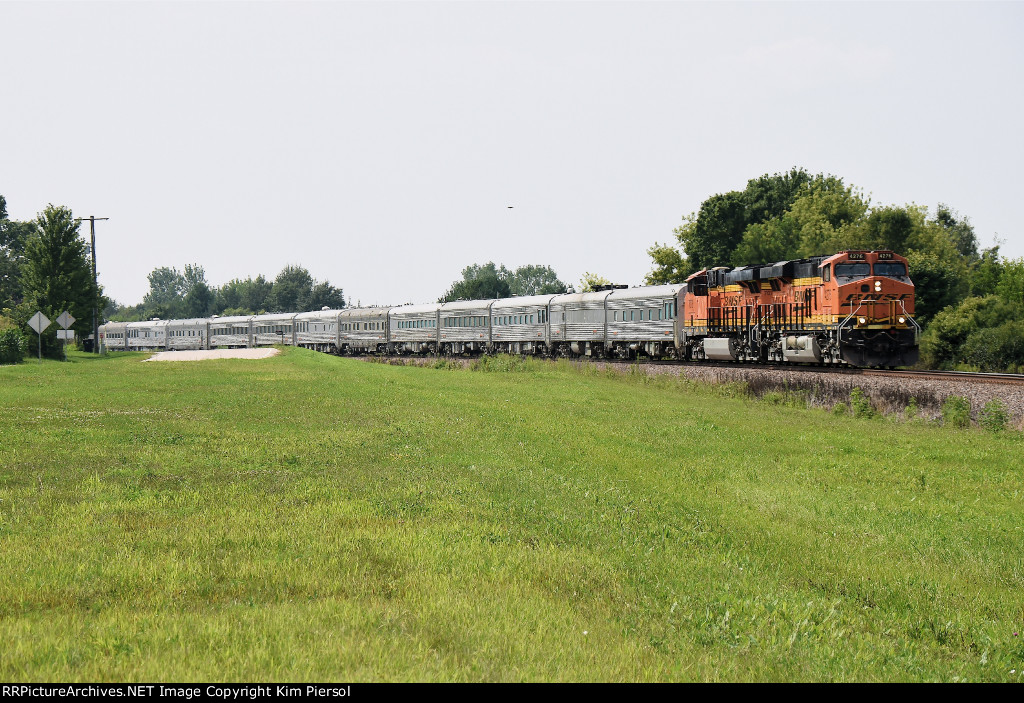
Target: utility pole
95	285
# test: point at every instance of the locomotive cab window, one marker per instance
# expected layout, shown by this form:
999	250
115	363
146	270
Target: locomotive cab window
853	270
890	269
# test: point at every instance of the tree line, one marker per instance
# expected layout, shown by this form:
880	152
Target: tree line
970	299
486	281
175	294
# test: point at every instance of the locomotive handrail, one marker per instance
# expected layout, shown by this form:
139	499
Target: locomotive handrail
917	327
850	316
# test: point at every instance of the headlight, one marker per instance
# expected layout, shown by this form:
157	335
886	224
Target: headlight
862	320
878	286
902	320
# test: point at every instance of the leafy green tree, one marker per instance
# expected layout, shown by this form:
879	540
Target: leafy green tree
959	230
986	272
166	291
768	197
824	217
13	236
480	282
256	294
828	215
770	241
292	290
669	265
937	284
244	297
126	313
721	231
710	238
535	280
324	295
1011	281
57	274
198	297
888	227
590	282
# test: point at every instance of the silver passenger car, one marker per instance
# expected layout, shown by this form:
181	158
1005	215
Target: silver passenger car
412	329
465	326
578	323
318	330
363	330
642	320
519	325
232	332
112	336
193	333
276	328
148	335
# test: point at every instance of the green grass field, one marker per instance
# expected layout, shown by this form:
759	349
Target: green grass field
309	517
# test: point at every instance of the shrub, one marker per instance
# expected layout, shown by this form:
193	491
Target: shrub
860	404
994	416
12	346
501	363
996	348
956	411
911	410
945	342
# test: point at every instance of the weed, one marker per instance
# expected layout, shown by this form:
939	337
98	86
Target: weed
956	411
994	417
911	411
500	363
860	404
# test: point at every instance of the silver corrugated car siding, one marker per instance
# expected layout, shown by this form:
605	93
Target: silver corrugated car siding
639	330
412	334
229	340
527	332
466	334
577	331
363	338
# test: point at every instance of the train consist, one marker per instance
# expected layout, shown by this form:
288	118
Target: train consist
854	308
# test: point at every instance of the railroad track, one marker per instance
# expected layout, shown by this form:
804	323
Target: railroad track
1014	379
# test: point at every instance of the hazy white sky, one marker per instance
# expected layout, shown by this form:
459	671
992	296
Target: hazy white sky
379	144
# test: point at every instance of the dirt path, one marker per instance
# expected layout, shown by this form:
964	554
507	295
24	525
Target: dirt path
204	354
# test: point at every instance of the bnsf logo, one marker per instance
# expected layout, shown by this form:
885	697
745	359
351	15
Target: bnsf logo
872	298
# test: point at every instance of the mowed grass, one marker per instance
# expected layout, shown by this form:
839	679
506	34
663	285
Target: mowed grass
309	517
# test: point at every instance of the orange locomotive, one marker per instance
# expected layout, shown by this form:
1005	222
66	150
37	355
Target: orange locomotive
855	307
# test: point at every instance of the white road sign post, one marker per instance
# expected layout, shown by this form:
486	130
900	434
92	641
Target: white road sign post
39	322
65	320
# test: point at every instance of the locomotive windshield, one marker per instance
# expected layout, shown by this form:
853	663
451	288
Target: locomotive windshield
859	270
891	269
